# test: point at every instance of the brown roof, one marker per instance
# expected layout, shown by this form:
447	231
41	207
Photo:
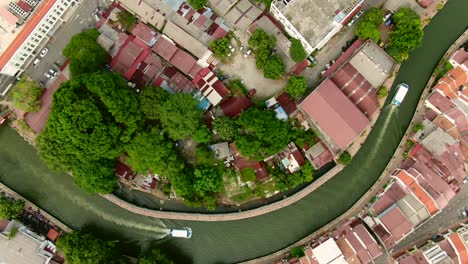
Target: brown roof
335	114
396	223
460	56
144	33
287	103
165	48
233	106
391	196
183	61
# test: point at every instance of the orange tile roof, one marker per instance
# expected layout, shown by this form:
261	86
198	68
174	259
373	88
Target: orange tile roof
418	191
459	245
451	82
33	21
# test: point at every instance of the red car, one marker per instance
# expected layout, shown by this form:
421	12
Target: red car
251	93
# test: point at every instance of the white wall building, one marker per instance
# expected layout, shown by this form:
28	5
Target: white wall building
25	48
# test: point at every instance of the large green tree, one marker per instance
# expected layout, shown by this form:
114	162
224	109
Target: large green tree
261	40
81	248
297	51
179	116
151	98
206	181
407	34
274	67
262	134
226	127
10	208
151	150
84	53
26	95
197	4
367	27
155	256
93	116
220	47
297	85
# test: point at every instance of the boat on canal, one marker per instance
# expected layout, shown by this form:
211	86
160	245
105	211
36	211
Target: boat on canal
181	233
402	90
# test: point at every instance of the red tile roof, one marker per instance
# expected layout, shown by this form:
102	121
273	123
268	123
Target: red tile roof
425	3
183	61
25	6
454	84
33	21
233	106
460	56
165	48
442	103
53	234
298	68
396	223
460	247
391	196
242	162
144	33
286	103
335	114
123	171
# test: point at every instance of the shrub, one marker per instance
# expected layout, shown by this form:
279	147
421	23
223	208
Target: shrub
26	95
418	127
220	47
297	252
297	85
345	158
383	92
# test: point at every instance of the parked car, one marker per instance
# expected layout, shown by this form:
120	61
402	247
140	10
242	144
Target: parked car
251	93
56	66
52	72
241	48
358	14
47	75
231	48
96	16
328	66
44	52
464	214
465	180
389	22
351	22
387	16
36	62
247	53
224	77
42	84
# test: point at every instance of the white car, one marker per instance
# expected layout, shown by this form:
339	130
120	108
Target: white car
36	62
44	52
247	53
358	14
231	48
47	75
350	23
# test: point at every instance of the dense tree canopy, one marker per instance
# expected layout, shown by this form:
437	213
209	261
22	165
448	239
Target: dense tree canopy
261	40
10	208
85	248
202	134
284	181
150	150
206	181
179	116
263	44
274	67
220	47
155	256
84	53
297	51
226	127
262	133
407	34
367	27
297	85
197	4
26	95
151	98
93	116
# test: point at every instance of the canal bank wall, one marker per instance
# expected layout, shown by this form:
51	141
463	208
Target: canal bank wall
398	157
226	216
32	207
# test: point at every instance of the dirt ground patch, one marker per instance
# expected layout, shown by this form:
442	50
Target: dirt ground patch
243	68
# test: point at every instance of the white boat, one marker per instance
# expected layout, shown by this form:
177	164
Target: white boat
402	90
182	233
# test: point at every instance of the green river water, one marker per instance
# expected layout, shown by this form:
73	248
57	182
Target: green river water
228	242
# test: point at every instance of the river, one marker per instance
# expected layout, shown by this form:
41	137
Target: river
227	242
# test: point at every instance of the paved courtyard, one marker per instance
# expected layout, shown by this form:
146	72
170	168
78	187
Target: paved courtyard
245	69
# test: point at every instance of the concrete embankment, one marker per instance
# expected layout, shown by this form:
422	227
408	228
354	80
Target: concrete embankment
33	207
229	216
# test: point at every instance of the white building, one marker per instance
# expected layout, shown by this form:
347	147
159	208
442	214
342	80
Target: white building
42	24
313	22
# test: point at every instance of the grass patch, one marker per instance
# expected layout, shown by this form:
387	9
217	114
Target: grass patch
237	87
23	127
443	67
247	194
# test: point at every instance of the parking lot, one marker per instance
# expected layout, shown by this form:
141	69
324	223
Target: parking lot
245	69
81	20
